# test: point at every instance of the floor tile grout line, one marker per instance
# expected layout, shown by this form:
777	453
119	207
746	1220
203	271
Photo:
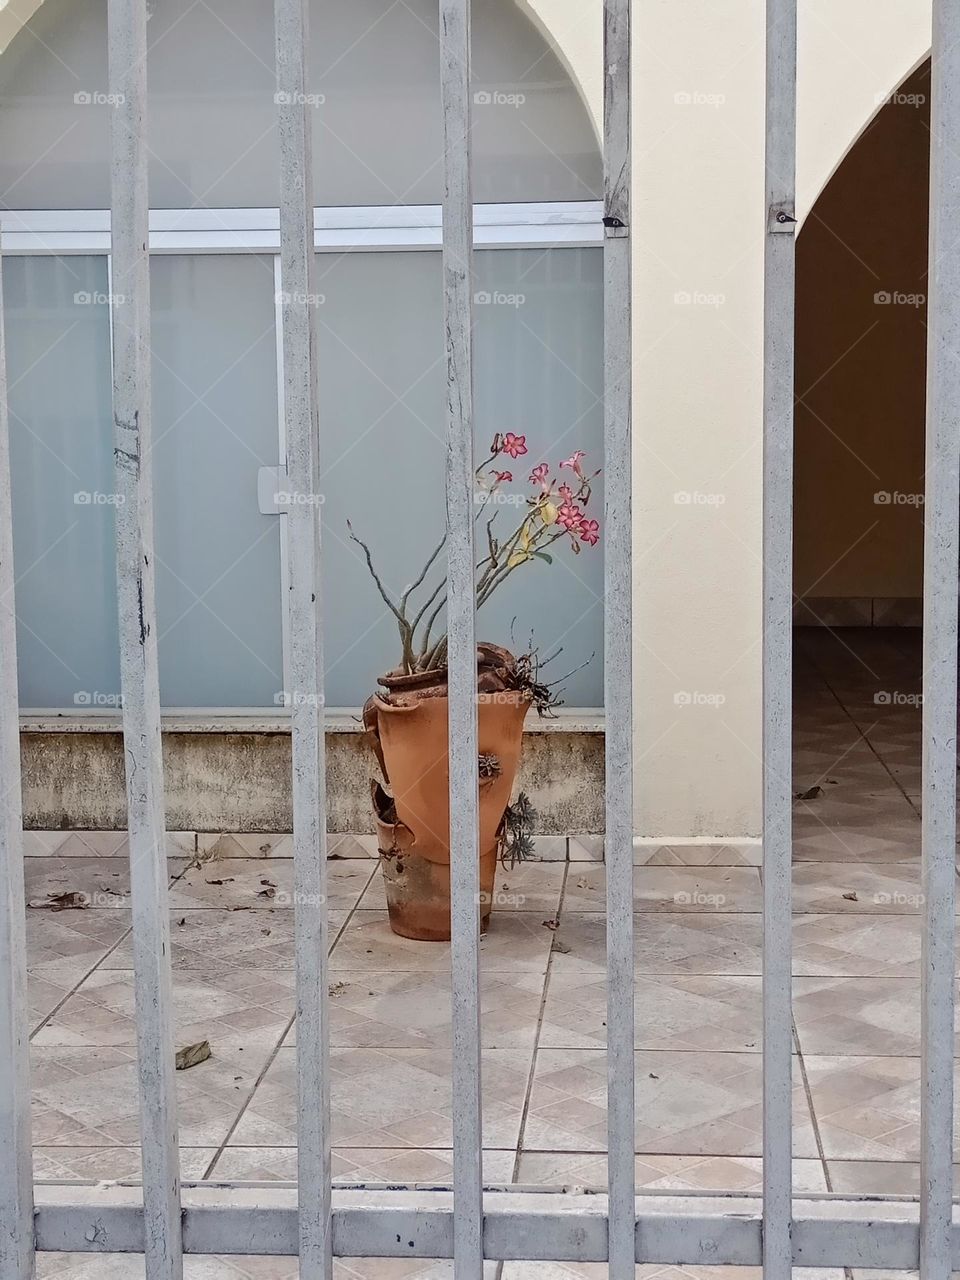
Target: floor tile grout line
272	1056
864	737
808	1093
536	1038
106	956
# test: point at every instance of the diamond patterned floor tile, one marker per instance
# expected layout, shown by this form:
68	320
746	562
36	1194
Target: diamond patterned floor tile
388	1098
686	1012
239	1012
867	1108
687	1104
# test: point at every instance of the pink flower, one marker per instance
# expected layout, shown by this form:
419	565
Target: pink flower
566	493
539	476
590	532
571	517
514	445
573	462
500	476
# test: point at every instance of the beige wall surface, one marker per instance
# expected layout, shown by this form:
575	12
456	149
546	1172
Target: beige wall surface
861	347
698	244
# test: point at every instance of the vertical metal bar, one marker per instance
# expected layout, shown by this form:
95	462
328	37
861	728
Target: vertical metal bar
300	408
139	678
282	461
618	639
940	650
778	343
462	647
16	1168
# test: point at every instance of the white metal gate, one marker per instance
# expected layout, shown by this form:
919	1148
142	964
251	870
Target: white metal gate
471	1222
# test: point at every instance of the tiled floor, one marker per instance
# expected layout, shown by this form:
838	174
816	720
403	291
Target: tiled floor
856	958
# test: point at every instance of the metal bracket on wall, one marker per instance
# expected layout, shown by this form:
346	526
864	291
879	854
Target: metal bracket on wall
781	219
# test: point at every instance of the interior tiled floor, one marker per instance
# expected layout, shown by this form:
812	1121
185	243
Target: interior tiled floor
856	1009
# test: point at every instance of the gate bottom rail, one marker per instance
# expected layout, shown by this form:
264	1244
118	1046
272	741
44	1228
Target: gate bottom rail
563	1225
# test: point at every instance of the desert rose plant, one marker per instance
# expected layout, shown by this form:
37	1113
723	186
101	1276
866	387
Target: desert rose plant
554	510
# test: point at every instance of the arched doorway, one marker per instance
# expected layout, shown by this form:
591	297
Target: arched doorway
860	369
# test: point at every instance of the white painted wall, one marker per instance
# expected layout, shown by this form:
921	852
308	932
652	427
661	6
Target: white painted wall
699	231
698	226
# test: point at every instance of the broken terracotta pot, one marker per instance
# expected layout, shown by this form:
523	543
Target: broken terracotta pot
407	729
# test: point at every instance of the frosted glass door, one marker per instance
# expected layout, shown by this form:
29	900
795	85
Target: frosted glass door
382	425
215	426
58	365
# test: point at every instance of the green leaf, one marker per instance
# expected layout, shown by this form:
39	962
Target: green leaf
542	555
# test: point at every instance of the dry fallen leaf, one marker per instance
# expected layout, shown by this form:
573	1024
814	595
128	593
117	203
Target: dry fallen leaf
851	897
553	925
338	988
72	900
811	794
193	1055
271	892
228	880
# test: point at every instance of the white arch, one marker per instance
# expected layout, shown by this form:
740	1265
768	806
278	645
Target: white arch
10	22
852	56
573	29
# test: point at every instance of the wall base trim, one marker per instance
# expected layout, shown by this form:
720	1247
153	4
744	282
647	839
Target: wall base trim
859	611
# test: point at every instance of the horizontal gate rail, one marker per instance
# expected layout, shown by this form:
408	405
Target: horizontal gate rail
690	1230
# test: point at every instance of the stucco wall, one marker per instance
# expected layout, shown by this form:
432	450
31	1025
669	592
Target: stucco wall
241	780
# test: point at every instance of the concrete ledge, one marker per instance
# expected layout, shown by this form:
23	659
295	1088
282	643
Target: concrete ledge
233	773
